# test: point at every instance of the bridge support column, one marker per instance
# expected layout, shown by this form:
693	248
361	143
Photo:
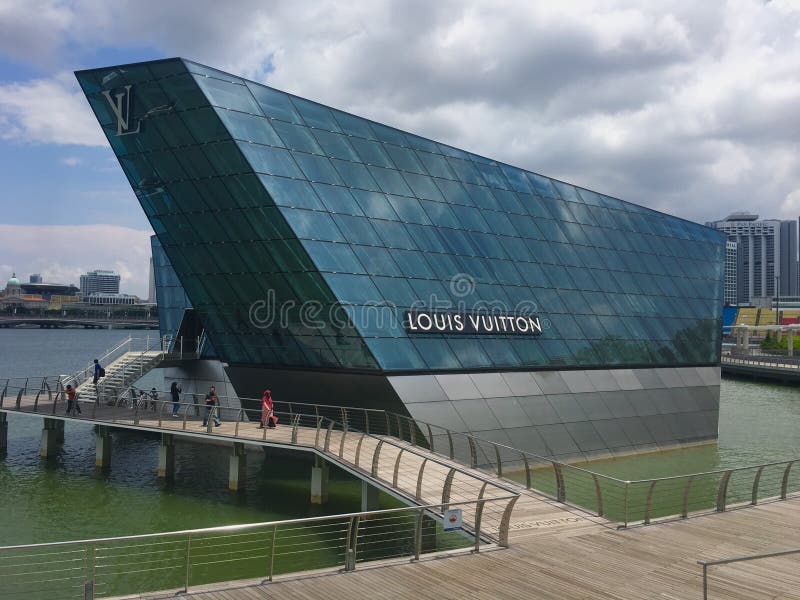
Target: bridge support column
166	456
3	433
102	455
60	431
50	435
369	497
745	339
779	335
237	474
319	481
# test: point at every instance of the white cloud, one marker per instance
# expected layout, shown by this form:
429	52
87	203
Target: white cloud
49	111
71	161
72	250
688	107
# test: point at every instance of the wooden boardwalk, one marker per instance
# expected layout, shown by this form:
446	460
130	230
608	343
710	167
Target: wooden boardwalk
569	557
556	552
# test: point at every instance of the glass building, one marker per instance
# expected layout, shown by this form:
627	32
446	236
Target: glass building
331	258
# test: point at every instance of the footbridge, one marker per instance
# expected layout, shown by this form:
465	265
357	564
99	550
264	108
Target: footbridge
556	522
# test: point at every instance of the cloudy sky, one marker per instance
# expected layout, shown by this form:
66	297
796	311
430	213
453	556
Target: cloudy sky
691	108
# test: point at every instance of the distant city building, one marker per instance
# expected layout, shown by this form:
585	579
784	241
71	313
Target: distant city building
101	298
729	291
12	286
766	261
47	290
99	281
36	278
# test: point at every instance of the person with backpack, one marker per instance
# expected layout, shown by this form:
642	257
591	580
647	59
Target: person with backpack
175	392
212	401
98	371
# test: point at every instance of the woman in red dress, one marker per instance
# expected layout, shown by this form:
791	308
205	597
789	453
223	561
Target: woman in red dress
268	418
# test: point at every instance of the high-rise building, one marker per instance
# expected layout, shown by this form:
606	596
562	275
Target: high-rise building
35	278
766	256
341	261
729	291
100	281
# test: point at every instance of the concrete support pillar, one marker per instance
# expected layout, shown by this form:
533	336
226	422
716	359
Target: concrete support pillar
745	338
237	475
779	335
319	482
166	456
50	433
3	433
369	497
102	455
60	431
790	343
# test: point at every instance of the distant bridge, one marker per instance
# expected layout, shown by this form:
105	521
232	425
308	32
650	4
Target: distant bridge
85	323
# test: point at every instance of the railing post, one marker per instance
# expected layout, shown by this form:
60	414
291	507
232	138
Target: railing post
450	443
785	481
352	539
686	491
88	585
399	427
649	502
756	479
239	416
478	516
447	488
418	517
412	431
341	441
388	427
527	470
328	437
561	492
705	581
499	460
366	420
396	473
188	563
430	438
505	521
418	495
627	486
272	552
722	494
375	457
599	495
319	426
295	425
358	449
473	454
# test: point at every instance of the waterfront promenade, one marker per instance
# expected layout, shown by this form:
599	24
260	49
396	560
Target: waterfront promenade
570	556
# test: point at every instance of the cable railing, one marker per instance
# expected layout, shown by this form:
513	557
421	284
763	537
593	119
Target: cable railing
178	561
413	473
626	502
727	561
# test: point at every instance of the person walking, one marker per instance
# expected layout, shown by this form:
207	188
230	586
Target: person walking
212	401
175	391
268	418
153	399
72	401
98	371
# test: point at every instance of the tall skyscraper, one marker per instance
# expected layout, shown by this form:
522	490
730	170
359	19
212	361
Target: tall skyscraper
729	290
766	255
106	282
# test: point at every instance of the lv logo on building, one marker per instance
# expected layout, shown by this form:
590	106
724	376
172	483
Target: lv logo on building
121	105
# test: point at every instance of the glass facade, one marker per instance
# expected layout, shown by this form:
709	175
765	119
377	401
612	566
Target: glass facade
302	235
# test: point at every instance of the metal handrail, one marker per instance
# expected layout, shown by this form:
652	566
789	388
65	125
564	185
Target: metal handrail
726	561
91	562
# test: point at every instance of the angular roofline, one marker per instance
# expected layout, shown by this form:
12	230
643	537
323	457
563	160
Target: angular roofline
491	160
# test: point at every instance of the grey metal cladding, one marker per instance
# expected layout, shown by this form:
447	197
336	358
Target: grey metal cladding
636	431
491	385
509	412
550	382
670	377
522	384
690	376
642	402
618	404
417	388
710	375
458	387
568	407
626	379
539	410
602	380
577	382
585	436
558	439
648	378
529	440
442	414
612	433
593	406
476	415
